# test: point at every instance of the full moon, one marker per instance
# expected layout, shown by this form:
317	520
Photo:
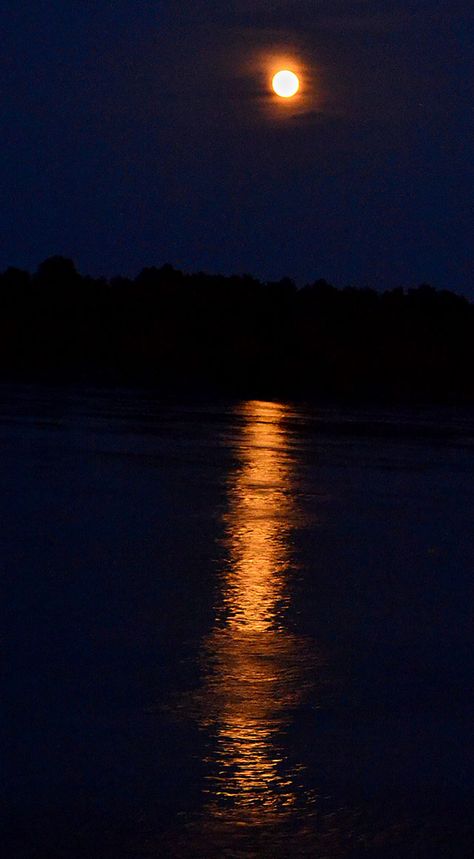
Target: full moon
286	83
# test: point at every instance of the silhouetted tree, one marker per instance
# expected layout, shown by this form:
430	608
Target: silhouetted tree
236	334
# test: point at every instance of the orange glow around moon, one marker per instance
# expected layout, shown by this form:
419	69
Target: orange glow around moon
285	83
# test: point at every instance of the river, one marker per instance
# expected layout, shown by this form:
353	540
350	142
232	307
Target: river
238	629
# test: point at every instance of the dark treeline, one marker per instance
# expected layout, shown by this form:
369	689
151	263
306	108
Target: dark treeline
235	335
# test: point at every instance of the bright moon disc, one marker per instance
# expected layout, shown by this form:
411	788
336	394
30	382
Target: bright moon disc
286	84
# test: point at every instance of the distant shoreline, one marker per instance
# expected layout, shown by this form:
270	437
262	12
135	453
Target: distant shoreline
203	335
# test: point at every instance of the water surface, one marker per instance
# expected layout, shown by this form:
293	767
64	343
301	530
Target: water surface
238	629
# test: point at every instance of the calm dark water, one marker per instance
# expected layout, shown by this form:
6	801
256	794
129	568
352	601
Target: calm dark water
235	630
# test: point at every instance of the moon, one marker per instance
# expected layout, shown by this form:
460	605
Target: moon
285	83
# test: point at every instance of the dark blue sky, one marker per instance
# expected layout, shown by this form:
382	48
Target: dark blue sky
136	133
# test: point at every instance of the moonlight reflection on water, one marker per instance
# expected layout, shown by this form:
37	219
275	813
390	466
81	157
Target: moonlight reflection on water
255	670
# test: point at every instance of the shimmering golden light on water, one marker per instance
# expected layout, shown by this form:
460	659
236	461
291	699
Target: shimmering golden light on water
253	663
257	523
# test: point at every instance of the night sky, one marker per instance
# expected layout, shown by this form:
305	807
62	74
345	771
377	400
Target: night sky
139	132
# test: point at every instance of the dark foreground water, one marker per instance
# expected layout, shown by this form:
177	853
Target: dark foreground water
235	630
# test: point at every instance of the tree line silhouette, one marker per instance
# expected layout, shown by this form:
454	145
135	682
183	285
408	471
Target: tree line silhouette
235	335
